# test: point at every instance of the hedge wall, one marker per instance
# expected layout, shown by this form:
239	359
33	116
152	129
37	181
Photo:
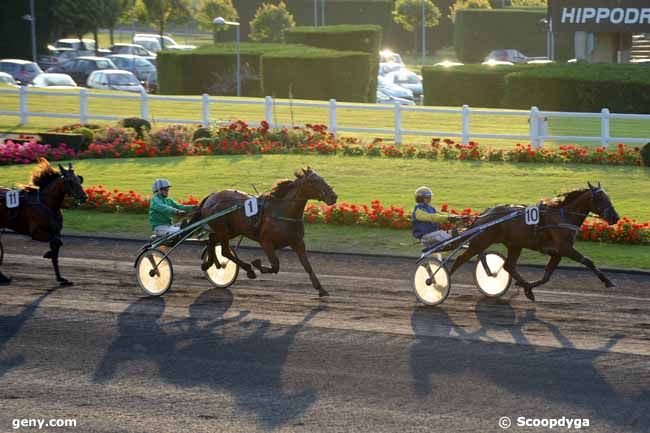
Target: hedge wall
317	74
479	31
581	87
211	69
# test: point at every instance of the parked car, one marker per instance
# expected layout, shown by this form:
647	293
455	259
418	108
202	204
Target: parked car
448	64
54	56
114	80
23	71
138	66
388	56
52	80
509	55
407	79
85	47
149	44
81	67
392	89
387	68
7	79
135	49
493	62
385	98
166	42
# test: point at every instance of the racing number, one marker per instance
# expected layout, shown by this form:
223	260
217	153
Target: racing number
532	215
250	207
13	198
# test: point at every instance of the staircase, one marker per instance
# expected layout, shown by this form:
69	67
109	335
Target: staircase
640	47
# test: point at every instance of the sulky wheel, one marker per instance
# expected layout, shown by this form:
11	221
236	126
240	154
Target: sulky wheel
223	276
497	284
154	272
431	281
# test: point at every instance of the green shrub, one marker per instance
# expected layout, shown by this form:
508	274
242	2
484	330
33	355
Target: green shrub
72	140
202	132
270	21
314	73
645	155
140	126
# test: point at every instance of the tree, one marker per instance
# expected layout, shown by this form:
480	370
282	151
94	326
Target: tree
467	4
77	17
408	14
269	22
114	11
160	13
210	9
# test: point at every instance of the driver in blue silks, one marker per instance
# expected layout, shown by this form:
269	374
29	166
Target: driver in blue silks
426	220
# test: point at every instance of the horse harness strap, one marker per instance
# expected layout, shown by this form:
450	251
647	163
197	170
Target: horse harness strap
563	224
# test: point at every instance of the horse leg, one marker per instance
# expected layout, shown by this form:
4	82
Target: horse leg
548	271
55	245
269	250
476	247
578	257
4	280
227	253
299	248
511	266
209	258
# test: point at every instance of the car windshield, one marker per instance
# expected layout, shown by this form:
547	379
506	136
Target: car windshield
58	80
120	62
31	67
104	64
122	80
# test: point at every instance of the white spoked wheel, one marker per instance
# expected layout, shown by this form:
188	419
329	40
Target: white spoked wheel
431	281
154	272
224	276
499	282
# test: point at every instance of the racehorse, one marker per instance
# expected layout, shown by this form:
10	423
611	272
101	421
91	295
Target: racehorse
39	211
554	235
278	224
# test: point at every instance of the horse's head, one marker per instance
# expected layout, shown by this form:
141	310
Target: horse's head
72	183
601	205
313	186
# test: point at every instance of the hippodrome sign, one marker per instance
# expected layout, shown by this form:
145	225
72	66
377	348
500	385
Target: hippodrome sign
601	16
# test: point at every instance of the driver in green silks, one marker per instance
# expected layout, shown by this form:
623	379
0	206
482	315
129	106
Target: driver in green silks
162	209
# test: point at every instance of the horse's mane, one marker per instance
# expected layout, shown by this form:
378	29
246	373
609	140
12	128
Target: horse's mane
44	173
280	188
564	198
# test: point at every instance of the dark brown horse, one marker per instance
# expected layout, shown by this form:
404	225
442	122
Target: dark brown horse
39	212
560	220
278	223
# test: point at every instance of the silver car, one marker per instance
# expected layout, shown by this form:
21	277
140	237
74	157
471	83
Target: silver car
407	79
114	80
23	71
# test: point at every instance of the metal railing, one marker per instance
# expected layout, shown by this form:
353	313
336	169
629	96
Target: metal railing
537	120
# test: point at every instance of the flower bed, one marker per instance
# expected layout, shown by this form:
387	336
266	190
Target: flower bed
239	138
626	231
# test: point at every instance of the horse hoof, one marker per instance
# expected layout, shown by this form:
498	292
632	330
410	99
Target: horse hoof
529	294
257	263
205	266
251	275
610	285
5	281
323	292
65	283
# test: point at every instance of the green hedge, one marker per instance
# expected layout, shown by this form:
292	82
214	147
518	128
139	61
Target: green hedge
317	73
203	70
581	87
479	31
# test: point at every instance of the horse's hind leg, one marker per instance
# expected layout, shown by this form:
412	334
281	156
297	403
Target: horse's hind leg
269	250
511	266
227	253
299	248
209	258
477	246
578	257
55	246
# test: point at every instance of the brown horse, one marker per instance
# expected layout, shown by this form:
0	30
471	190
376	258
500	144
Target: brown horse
278	222
554	235
39	212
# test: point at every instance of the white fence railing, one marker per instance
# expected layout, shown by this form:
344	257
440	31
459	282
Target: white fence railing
537	120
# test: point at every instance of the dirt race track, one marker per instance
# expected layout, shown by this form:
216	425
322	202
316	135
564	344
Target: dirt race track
268	355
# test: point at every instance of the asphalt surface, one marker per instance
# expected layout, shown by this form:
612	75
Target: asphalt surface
269	355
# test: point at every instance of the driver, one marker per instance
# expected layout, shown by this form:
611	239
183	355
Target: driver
426	220
162	208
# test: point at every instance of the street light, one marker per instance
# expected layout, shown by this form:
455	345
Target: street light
31	17
220	21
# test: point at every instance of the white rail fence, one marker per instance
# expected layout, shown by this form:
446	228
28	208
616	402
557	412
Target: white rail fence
537	120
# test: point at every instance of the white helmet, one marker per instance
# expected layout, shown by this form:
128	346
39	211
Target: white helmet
160	183
422	192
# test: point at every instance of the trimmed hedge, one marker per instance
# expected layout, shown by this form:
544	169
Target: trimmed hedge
317	73
205	69
580	87
479	31
74	141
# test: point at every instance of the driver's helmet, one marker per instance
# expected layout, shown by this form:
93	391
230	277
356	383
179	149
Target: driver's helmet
421	193
160	183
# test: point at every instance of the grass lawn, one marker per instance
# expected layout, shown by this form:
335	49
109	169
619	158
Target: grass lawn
229	111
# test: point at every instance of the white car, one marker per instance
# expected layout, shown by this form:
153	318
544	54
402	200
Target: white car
387	68
7	79
114	79
407	79
54	81
385	98
393	89
388	56
165	42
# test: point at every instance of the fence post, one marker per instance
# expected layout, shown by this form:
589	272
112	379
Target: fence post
23	105
83	106
332	113
465	112
205	108
604	127
144	105
533	127
398	123
268	110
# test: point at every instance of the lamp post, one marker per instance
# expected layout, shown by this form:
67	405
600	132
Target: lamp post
424	34
31	17
220	21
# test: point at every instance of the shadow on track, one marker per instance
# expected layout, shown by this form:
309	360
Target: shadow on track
243	358
565	375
